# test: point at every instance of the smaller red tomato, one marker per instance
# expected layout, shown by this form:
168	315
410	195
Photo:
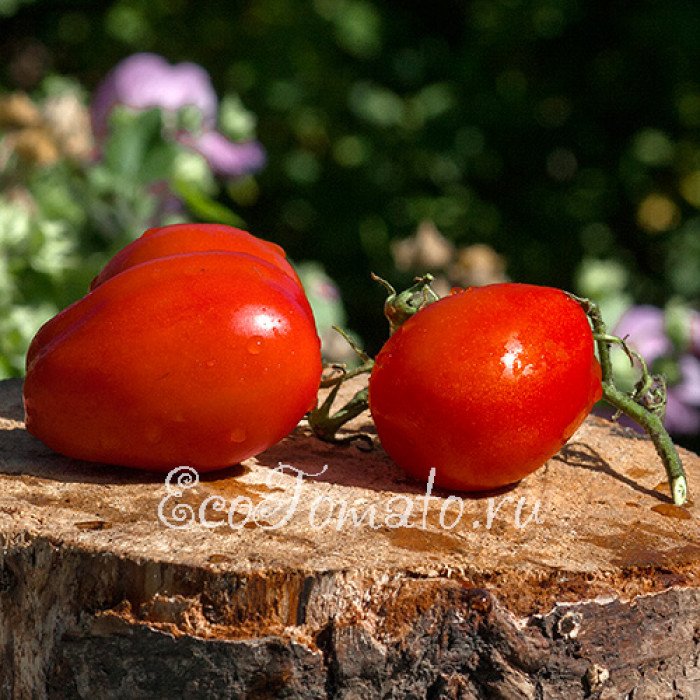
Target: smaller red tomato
485	385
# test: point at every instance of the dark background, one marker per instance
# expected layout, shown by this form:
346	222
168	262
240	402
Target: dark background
538	127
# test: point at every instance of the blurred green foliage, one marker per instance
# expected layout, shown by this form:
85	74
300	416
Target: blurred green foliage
563	134
538	126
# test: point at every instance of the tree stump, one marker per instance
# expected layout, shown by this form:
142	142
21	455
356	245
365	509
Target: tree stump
319	571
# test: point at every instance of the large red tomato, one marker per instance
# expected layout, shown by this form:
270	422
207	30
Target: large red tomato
485	385
193	238
201	359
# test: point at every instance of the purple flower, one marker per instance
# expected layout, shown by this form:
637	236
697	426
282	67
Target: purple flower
694	324
224	157
645	329
146	80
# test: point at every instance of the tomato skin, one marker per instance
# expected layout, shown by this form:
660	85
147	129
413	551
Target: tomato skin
194	238
203	360
485	385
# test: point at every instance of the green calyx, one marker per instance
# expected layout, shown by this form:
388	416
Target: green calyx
399	307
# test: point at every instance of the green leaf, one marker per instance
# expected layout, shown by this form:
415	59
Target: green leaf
133	135
204	207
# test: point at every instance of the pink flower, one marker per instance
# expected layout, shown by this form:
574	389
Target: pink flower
645	329
224	157
146	80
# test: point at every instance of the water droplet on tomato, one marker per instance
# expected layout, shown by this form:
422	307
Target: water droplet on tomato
211	363
238	435
511	359
254	345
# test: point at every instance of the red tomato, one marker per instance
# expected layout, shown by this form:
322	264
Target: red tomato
194	238
178	239
203	360
485	385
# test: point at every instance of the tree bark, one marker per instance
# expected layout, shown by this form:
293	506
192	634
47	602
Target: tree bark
318	571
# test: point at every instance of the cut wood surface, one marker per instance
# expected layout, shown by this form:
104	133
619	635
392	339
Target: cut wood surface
322	571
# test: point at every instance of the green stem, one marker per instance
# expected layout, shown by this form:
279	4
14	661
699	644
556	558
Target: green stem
326	426
654	426
645	406
398	308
